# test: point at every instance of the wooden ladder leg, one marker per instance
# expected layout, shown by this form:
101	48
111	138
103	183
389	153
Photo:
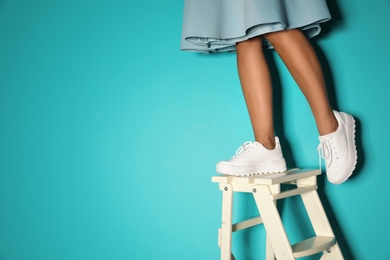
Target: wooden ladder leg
226	228
272	222
270	254
269	251
320	223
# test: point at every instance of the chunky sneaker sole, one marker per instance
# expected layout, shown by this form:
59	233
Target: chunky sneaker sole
252	168
339	149
351	133
252	158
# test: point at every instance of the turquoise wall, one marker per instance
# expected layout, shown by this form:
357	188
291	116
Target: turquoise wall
109	134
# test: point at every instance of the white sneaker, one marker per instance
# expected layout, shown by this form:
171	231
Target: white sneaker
253	158
339	149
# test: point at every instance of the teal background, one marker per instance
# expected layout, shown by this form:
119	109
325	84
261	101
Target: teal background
109	134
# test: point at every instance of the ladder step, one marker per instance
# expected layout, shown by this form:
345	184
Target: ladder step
312	246
246	224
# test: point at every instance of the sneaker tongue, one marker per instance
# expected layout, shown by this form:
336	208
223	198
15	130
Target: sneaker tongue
243	147
325	137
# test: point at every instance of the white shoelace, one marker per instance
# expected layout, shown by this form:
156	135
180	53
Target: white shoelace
243	148
324	151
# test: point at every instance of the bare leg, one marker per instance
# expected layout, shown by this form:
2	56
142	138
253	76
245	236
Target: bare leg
257	88
302	62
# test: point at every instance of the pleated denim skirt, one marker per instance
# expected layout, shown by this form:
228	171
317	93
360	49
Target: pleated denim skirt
211	26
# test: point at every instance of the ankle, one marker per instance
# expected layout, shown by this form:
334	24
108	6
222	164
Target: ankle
268	143
328	127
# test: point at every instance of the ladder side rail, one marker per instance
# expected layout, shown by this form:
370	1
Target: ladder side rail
272	222
226	228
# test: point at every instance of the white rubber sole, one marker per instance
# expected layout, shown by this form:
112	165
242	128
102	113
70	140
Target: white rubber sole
252	169
351	133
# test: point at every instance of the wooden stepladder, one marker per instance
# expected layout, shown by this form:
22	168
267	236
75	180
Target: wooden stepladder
266	191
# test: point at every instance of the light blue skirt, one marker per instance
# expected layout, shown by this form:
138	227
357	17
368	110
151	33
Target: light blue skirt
211	26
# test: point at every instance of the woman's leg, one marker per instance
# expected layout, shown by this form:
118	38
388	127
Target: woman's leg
265	155
257	88
337	129
302	62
